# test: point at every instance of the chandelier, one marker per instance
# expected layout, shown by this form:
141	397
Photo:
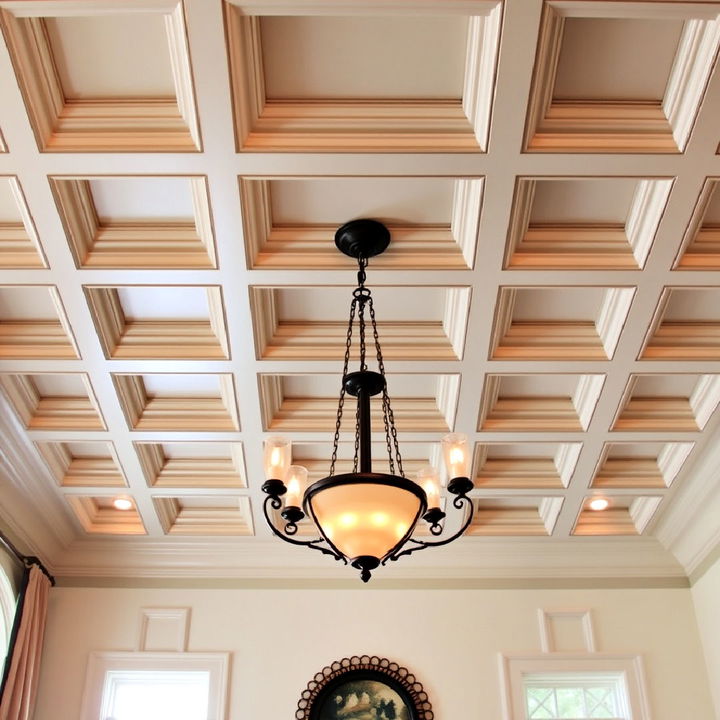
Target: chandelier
363	517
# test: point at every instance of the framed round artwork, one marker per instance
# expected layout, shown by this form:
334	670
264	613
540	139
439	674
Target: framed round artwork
364	688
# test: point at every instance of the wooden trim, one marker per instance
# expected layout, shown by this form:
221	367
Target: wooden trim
81	471
178	520
105	521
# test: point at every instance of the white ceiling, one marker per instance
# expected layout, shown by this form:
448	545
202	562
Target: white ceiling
170	293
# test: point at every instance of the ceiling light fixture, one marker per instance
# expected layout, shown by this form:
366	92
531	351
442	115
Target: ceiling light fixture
599	504
365	518
122	503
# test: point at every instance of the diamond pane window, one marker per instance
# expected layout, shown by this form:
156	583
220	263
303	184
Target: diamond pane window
575	696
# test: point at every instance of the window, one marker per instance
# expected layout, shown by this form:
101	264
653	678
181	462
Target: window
575	696
7	615
154	686
573	686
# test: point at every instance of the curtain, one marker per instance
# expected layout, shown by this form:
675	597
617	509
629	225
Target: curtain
21	676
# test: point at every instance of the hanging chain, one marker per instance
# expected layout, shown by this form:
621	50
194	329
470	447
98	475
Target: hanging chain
388	416
341	401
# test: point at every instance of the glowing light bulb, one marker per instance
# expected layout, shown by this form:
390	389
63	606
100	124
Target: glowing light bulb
456	452
122	503
379	519
347	520
598	504
295	482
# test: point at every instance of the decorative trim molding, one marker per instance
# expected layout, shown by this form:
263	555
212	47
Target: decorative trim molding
369	126
536	517
179	616
82	470
179	520
96	519
96	124
584	617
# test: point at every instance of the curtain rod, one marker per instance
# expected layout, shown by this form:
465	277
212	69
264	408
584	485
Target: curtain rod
26	560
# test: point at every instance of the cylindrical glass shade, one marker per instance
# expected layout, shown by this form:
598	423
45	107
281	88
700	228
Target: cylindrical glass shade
456	453
365	519
295	482
277	458
427	479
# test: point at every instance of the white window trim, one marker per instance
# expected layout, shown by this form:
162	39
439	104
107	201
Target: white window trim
100	663
8	603
514	665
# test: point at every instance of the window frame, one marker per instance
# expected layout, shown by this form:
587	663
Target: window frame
100	663
514	666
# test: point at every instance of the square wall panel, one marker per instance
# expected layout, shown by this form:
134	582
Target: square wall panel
291	223
204	515
539	403
137	222
675	403
98	516
625	515
559	323
701	245
192	464
586	223
180	322
53	401
83	464
525	465
308	403
640	465
19	246
33	324
302	323
172	401
85	93
293	90
686	326
515	516
594	92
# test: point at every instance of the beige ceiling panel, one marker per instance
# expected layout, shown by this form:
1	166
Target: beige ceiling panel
514	516
686	326
539	403
204	515
98	516
594	92
308	98
640	465
291	224
562	323
525	466
33	324
137	222
84	464
85	93
153	323
584	223
173	401
192	465
625	515
419	323
19	247
701	247
420	403
675	403
50	401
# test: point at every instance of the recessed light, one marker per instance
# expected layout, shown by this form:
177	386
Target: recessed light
599	504
122	503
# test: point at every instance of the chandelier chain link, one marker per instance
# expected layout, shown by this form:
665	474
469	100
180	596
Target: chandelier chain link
341	401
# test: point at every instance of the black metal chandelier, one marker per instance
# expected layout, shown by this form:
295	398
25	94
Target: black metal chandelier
364	517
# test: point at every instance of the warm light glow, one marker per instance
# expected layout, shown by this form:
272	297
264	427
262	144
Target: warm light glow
122	503
427	478
295	483
457	455
277	458
599	504
366	518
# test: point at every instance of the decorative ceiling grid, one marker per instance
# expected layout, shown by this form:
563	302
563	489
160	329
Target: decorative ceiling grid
170	293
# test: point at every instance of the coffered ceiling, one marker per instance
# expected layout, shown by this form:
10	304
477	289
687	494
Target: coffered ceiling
171	178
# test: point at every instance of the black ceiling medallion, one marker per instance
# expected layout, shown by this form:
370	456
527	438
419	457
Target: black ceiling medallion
364	517
364	686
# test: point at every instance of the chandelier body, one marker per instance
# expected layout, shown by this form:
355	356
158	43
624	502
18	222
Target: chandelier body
364	517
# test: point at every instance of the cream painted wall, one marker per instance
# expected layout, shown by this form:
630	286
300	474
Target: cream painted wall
706	596
449	638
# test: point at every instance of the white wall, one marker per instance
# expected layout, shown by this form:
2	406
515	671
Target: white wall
706	596
449	638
